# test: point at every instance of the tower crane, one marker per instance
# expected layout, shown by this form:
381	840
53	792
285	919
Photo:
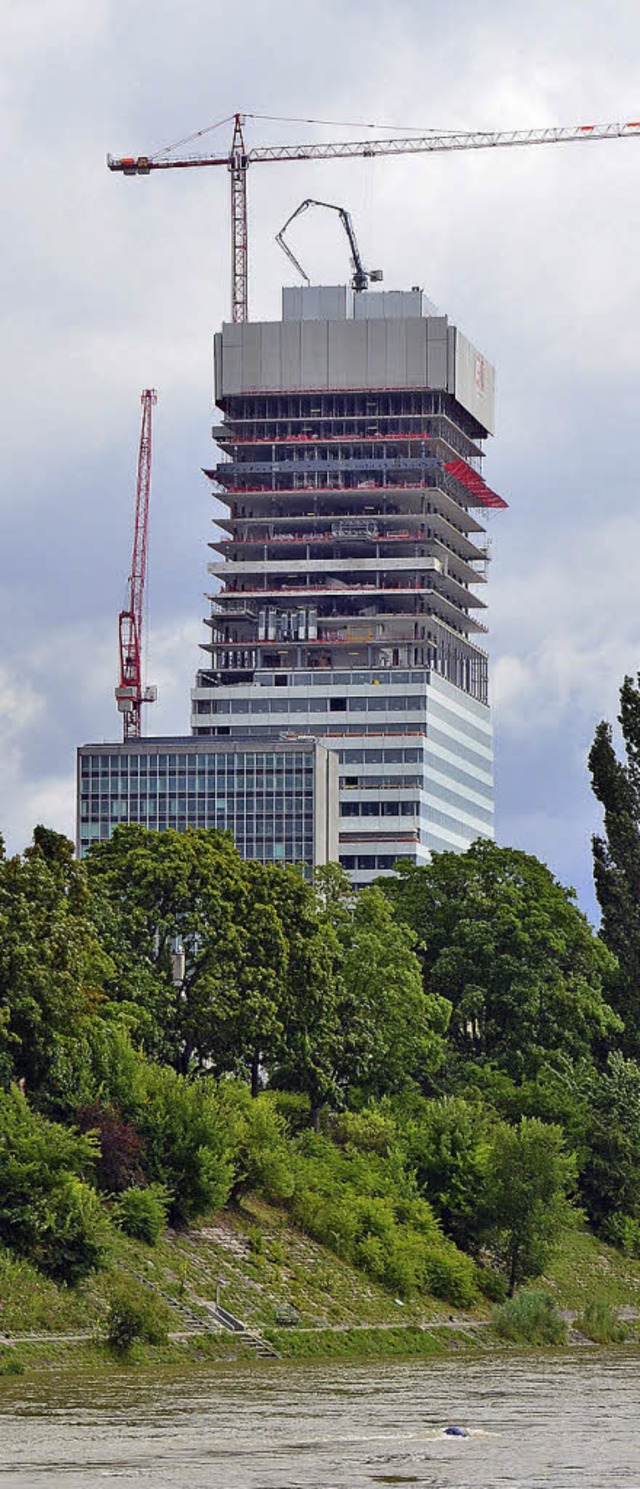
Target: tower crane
238	159
130	693
361	276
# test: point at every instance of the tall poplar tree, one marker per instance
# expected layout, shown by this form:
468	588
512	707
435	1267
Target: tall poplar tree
616	855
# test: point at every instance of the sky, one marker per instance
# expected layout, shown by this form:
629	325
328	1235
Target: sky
111	285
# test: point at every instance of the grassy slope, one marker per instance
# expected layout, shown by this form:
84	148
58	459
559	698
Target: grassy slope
263	1265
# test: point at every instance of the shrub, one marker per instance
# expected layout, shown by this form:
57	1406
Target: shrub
294	1108
601	1323
531	1317
369	1131
142	1213
186	1142
71	1231
450	1276
48	1213
624	1232
135	1314
262	1155
118	1164
372	1255
491	1284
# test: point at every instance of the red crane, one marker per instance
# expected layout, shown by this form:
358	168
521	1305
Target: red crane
238	159
130	694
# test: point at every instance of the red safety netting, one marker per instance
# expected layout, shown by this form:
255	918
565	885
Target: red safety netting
474	483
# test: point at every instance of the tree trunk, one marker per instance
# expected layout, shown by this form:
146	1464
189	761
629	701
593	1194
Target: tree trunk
255	1074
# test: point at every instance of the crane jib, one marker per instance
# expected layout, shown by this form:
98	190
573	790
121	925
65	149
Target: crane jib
239	159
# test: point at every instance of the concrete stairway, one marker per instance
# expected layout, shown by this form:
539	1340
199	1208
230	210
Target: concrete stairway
227	1320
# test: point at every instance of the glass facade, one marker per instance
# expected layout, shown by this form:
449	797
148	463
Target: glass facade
279	801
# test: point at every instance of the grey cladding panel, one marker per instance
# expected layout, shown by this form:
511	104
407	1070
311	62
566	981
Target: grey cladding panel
377	353
252	356
451	359
316	302
369	353
271	368
290	333
231	369
437	362
416	353
347	354
314	354
474	382
396	354
217	366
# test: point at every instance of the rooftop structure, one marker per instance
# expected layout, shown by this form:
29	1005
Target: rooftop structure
349	552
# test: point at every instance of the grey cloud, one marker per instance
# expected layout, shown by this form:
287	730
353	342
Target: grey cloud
112	285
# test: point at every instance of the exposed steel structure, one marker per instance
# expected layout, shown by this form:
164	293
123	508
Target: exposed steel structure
239	159
130	693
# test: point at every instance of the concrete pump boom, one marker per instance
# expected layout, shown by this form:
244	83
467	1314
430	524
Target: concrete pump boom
361	276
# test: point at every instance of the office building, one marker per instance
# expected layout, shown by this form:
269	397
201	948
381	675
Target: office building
279	798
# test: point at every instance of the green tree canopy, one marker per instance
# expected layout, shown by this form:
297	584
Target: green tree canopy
610	1178
616	855
505	943
527	1199
191	936
51	964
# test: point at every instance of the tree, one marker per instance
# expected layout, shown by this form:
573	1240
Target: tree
249	1028
616	855
505	943
448	1143
529	1181
51	964
356	1014
610	1177
393	1028
187	935
48	1212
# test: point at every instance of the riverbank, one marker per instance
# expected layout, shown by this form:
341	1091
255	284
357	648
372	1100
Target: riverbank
302	1300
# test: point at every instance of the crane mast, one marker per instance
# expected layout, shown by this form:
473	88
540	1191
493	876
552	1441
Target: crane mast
238	160
130	693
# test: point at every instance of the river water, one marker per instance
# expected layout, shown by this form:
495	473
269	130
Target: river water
561	1421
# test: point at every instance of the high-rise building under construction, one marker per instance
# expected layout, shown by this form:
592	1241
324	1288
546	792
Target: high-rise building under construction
350	552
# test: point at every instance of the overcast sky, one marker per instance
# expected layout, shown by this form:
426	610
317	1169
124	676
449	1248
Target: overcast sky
111	285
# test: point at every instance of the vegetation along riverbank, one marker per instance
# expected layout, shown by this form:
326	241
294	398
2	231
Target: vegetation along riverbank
242	1115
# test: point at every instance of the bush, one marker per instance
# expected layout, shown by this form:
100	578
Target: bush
369	1131
531	1317
624	1232
118	1164
601	1323
135	1314
142	1213
187	1143
48	1213
450	1276
491	1284
71	1231
263	1156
